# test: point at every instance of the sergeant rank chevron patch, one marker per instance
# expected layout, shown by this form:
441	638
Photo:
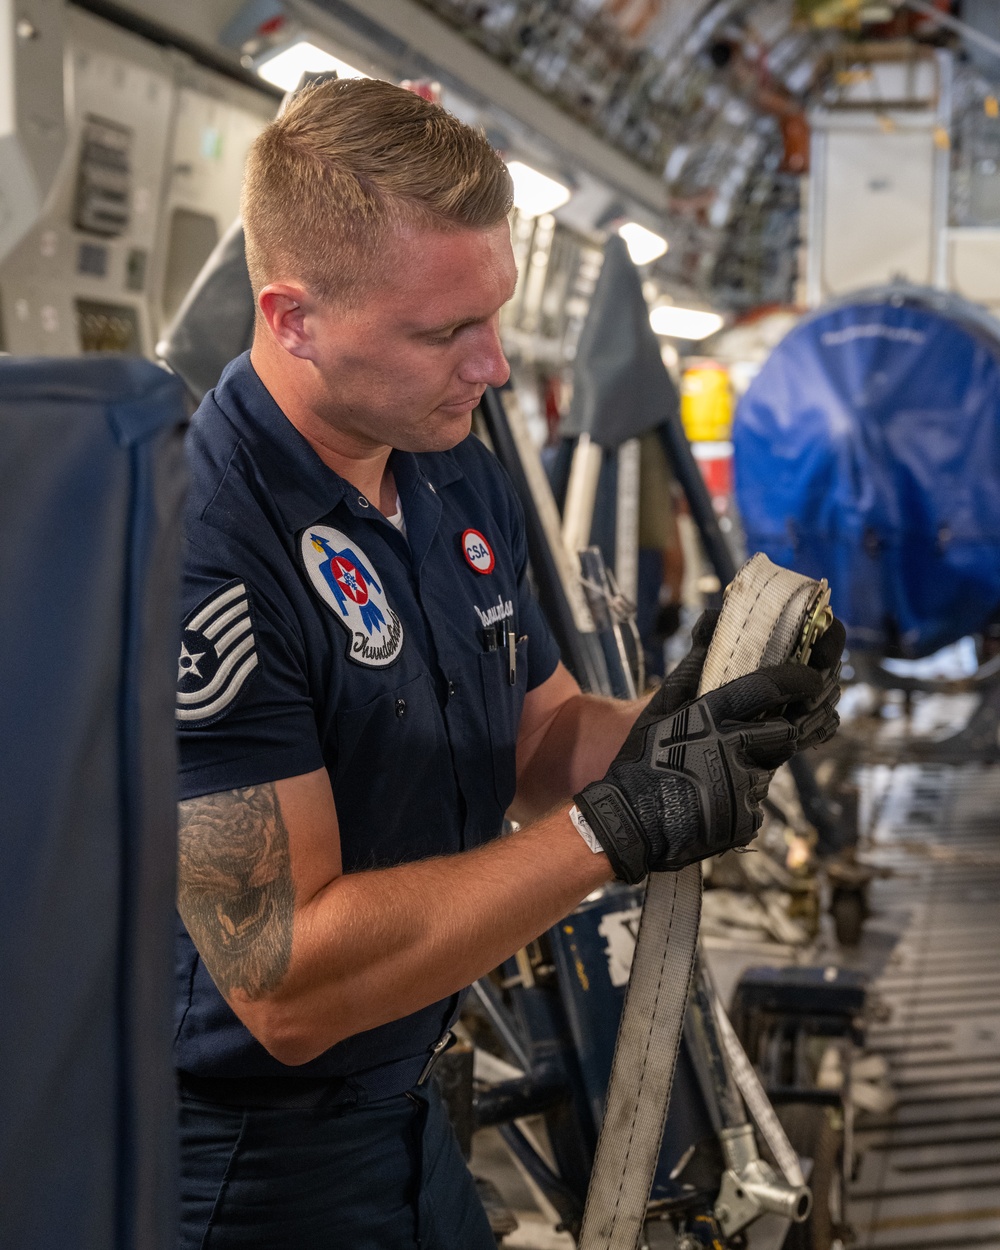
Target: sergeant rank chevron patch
218	654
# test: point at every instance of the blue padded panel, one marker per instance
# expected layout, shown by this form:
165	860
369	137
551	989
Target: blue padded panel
91	479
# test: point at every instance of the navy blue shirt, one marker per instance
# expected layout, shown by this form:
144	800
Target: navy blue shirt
317	635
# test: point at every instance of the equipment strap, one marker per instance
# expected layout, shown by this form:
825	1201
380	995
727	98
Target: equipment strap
769	615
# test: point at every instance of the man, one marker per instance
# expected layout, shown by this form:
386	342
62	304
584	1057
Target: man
366	686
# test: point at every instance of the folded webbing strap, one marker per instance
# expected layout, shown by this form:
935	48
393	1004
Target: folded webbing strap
643	1067
765	618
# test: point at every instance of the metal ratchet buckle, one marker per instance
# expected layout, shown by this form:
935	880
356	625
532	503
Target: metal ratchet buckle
818	620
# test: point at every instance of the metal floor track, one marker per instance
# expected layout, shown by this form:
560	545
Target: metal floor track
930	1173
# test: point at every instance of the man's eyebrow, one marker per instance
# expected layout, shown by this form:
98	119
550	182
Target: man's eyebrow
451	325
463	321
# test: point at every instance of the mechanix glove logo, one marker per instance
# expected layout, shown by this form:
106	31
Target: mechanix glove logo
218	654
342	576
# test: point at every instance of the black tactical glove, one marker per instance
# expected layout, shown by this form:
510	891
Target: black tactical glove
816	719
688	784
681	686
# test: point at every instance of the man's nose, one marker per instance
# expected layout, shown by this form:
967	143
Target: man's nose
486	363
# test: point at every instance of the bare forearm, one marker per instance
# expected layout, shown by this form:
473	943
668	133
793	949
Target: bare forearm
579	745
306	967
374	946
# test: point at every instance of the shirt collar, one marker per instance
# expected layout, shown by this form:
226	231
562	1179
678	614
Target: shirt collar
303	487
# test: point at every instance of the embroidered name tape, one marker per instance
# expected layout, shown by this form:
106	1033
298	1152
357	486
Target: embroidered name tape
502	610
342	576
218	654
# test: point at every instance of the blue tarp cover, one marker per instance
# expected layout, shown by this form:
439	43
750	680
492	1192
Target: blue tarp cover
867	451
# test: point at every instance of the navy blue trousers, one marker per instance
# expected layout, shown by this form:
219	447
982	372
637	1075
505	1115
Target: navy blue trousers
386	1176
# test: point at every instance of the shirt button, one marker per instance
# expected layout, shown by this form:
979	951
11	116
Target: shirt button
363	501
400	708
452	690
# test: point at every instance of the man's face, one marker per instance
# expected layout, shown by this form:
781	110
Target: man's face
406	367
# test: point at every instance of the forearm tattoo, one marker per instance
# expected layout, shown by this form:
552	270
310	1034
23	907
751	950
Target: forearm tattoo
235	889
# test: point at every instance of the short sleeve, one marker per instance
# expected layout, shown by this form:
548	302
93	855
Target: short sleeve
244	712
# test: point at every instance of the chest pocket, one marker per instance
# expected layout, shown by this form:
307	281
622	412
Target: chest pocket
394	786
504	702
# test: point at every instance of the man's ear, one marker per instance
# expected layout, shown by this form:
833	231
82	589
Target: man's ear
283	306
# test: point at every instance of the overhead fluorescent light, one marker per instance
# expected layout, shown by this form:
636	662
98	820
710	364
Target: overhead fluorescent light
684	323
535	193
285	68
643	245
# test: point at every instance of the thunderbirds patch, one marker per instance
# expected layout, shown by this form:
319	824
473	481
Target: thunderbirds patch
218	654
341	574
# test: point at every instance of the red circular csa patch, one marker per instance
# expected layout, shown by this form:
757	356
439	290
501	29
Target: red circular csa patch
477	551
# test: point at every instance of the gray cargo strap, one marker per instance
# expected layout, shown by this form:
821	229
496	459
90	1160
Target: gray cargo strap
769	615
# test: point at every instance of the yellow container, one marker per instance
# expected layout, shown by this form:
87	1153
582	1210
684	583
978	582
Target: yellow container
707	403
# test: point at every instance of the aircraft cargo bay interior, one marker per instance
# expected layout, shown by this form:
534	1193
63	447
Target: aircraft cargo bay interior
500	599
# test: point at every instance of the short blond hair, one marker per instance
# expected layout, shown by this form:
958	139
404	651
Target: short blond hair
346	164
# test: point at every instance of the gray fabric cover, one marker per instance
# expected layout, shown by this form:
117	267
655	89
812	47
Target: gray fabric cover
621	387
214	324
